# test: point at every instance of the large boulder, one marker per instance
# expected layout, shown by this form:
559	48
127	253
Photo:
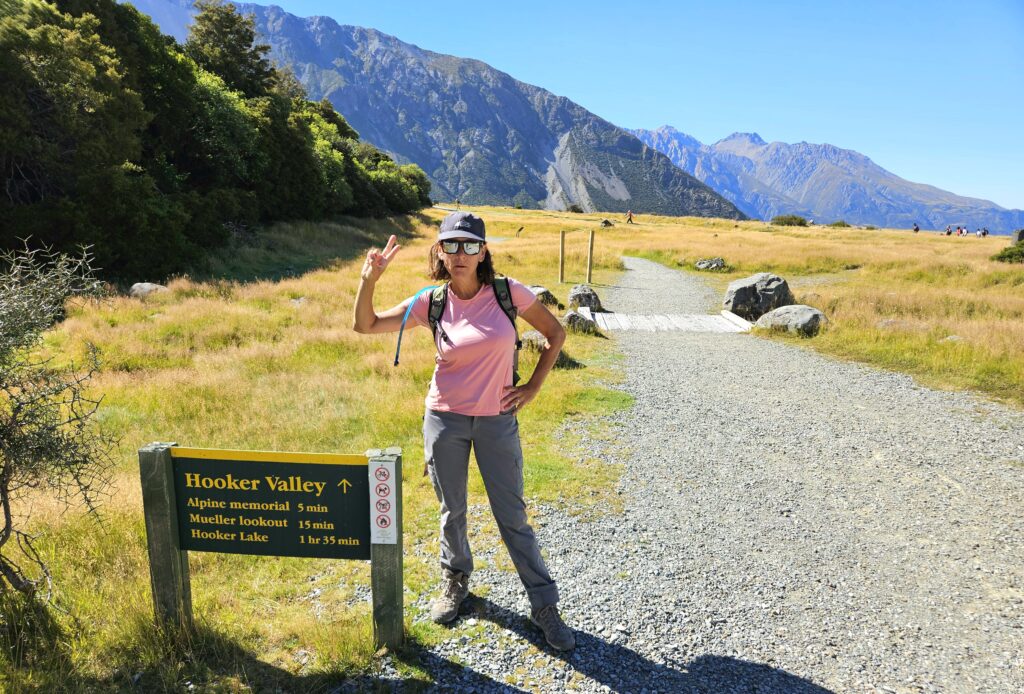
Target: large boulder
140	290
576	322
754	296
534	341
796	318
544	295
1018	236
583	296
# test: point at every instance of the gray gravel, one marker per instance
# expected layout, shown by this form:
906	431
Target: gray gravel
792	524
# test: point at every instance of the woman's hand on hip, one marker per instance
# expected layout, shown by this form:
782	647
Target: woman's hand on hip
518	397
377	261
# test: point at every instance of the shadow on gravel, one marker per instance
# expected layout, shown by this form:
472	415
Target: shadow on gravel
621	669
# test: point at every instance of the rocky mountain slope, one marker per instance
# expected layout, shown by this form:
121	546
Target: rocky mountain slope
479	134
822	182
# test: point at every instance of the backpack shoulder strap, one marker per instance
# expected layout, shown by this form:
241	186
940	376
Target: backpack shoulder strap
503	294
438	299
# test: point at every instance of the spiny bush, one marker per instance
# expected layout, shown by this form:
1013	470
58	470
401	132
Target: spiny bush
840	224
789	220
576	208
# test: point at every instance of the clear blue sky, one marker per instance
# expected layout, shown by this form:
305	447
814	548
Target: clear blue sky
932	91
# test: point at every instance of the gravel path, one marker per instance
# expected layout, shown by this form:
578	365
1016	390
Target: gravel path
792	524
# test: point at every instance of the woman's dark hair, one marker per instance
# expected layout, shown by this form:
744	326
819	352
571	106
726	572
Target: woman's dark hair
437	271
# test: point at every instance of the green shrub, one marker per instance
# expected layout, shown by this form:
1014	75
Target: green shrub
576	208
839	224
789	220
1011	254
870	227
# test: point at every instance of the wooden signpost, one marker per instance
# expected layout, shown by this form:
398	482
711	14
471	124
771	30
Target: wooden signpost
281	504
561	257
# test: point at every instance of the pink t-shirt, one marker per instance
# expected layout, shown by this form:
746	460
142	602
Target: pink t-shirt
474	363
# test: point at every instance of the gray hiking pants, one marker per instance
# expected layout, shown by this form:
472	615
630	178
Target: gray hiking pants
447	438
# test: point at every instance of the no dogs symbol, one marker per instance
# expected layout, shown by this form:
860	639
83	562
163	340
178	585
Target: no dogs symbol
383	489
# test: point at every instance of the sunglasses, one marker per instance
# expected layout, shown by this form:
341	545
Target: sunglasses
468	247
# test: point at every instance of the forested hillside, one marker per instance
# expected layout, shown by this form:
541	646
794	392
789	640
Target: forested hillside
116	136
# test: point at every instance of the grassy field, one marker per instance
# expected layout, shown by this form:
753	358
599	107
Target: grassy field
933	306
272	365
261	355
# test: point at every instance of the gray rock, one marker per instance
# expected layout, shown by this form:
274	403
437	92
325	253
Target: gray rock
545	295
578	323
797	318
752	297
140	290
583	296
534	341
710	264
1018	236
607	223
952	338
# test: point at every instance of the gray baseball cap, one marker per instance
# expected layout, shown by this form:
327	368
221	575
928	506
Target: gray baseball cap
462	225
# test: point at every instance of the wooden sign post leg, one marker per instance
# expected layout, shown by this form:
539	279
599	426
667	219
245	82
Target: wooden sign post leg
168	564
590	257
561	256
386	569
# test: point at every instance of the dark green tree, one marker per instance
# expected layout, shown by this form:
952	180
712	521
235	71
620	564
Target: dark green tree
112	135
64	114
223	41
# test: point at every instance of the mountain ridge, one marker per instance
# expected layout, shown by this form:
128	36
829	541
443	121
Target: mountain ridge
823	182
479	134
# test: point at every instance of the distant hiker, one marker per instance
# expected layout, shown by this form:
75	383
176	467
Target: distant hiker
629	216
456	203
916	228
473	402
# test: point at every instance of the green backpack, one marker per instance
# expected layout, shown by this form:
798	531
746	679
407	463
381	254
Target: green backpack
439	298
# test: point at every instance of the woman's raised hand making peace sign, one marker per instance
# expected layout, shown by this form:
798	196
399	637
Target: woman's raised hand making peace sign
377	261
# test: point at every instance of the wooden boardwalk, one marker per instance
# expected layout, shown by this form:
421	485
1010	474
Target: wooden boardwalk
726	322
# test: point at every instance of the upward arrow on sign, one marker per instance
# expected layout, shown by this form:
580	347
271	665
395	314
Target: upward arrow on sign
344	484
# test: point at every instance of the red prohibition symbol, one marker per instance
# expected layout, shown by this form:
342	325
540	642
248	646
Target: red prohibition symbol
383	521
382	474
383	489
383	505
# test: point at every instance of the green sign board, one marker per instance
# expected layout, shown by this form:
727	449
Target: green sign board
280	504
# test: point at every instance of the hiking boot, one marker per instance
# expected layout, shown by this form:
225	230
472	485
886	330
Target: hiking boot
454	589
557	634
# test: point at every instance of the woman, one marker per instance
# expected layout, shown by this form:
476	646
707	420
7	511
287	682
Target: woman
472	402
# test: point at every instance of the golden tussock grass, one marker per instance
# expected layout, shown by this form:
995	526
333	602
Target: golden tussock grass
273	364
933	306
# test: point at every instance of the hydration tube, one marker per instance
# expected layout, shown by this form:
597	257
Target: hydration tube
408	310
